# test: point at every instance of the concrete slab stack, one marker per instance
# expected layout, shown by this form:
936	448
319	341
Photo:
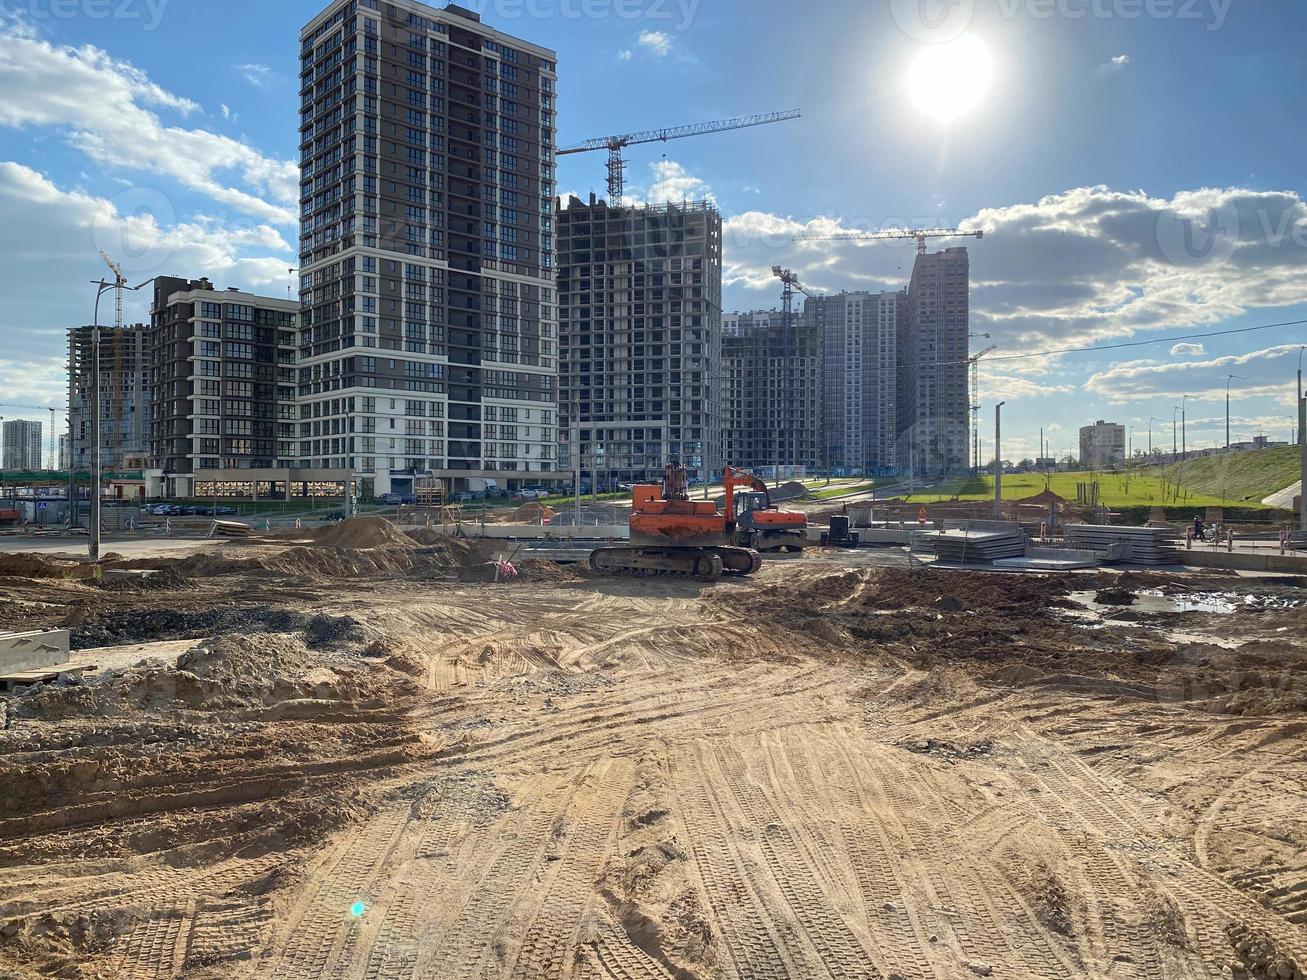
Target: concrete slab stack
1128	545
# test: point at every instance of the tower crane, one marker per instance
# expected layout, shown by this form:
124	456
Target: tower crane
790	283
615	144
920	234
120	282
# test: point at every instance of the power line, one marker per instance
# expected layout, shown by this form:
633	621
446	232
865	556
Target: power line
1142	343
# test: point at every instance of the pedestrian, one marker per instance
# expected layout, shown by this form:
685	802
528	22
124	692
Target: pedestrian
1200	533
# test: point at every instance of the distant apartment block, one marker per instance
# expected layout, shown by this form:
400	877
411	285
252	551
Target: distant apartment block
223	410
772	407
933	401
641	331
1102	445
428	344
22	445
65	452
124	396
859	333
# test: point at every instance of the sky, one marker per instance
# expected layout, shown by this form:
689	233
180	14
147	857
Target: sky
1135	165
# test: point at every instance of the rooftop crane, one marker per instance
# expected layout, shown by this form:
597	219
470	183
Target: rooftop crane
790	282
920	234
615	144
120	281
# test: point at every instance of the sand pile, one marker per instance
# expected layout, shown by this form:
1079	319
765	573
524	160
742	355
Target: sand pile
363	532
532	513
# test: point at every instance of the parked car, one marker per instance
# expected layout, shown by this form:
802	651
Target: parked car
395	499
534	493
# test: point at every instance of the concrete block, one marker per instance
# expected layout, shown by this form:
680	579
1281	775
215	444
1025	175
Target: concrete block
30	651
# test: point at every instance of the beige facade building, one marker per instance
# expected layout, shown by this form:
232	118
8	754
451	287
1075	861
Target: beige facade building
1102	445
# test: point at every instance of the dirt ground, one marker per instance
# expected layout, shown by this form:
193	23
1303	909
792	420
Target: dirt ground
361	757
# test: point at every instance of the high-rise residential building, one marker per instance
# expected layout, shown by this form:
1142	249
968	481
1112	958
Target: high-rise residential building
1102	445
640	292
124	396
933	403
223	411
22	445
860	342
772	398
65	452
428	342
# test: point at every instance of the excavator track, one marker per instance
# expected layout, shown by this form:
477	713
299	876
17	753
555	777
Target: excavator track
704	564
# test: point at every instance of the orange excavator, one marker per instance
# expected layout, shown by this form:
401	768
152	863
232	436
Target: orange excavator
670	533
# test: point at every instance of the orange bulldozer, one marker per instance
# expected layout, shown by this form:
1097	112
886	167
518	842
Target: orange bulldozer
672	534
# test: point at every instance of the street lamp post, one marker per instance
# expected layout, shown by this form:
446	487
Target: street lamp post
94	540
1175	445
998	461
1232	377
1151	420
1184	437
1302	438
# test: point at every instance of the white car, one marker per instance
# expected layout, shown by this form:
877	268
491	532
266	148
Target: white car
534	493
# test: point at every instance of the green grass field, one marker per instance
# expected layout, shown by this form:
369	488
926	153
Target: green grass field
1240	478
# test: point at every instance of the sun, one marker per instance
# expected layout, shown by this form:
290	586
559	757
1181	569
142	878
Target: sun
947	81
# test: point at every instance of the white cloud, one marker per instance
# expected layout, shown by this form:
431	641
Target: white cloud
1006	387
48	241
672	183
1268	373
625	54
1113	65
1076	269
658	42
108	110
256	75
1188	350
750	189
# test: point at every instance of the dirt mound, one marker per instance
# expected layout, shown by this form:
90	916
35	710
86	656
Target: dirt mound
325	561
35	566
532	513
363	532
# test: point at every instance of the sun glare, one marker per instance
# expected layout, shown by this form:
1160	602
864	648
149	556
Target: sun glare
948	81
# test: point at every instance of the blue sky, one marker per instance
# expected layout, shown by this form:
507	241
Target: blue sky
165	132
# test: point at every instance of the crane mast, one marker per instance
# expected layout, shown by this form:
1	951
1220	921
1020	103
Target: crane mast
790	283
616	144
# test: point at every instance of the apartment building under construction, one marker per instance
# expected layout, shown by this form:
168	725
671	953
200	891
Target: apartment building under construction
124	396
772	401
640	324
